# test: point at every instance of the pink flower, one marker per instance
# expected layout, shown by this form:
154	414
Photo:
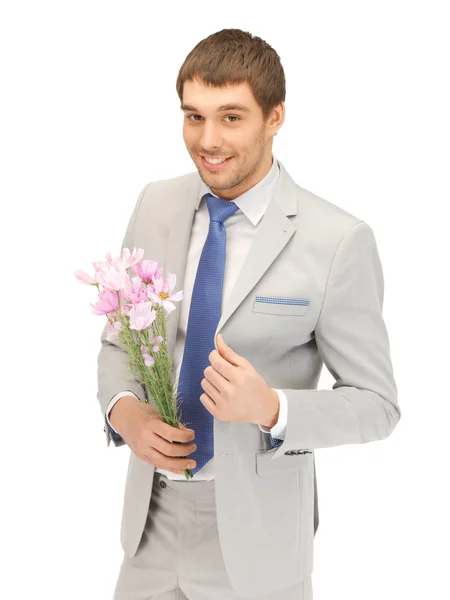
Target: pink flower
141	315
125	308
162	294
116	277
138	291
127	259
102	269
84	277
131	259
148	271
107	302
148	360
113	330
155	348
129	296
98	275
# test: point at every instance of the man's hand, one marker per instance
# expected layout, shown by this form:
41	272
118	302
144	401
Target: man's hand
152	440
234	390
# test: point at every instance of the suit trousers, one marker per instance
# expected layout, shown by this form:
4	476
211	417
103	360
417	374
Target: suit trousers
179	556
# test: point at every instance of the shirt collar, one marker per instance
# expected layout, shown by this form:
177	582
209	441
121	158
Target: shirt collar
253	203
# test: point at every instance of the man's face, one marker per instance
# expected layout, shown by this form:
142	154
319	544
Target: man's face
240	134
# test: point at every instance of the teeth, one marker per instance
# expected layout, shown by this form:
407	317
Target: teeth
215	161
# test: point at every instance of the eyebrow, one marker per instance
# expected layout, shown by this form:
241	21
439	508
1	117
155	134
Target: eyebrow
223	107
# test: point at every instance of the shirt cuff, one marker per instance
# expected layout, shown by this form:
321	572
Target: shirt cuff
279	429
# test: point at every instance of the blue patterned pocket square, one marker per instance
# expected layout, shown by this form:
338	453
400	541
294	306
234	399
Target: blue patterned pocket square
272	305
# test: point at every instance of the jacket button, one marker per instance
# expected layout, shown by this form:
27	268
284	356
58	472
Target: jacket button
163	484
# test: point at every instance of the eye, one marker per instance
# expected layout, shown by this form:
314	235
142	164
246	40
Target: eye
227	117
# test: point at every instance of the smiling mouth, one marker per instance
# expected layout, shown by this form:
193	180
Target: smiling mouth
215	166
215	157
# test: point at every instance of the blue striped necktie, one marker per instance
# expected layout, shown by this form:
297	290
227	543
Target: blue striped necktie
204	316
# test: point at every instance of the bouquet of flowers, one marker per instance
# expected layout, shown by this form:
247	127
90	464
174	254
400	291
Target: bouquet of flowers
136	308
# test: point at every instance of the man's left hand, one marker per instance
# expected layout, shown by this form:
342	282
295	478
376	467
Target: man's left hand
234	390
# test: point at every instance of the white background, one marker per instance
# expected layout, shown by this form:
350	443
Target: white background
89	115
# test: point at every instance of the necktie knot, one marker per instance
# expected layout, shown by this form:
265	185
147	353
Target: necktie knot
219	209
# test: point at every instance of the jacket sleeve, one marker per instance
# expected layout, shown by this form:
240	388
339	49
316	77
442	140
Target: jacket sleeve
113	371
353	342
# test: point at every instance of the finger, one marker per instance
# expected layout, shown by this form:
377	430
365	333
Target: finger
222	368
173	434
216	379
209	404
162	461
171	448
228	354
185	428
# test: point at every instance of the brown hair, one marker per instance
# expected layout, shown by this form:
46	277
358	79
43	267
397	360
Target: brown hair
233	56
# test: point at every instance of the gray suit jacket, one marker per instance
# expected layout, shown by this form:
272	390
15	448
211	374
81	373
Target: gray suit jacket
306	249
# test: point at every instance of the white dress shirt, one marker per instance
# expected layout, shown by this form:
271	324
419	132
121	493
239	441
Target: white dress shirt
241	227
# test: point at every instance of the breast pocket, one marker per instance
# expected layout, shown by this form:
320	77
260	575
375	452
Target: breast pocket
288	307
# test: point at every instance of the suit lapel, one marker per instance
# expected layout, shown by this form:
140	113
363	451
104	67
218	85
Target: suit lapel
275	230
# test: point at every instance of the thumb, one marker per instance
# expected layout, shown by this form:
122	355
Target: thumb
227	352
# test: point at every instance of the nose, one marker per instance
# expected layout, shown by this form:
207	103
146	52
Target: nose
210	138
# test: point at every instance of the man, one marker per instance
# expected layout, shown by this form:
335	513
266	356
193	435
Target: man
276	282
